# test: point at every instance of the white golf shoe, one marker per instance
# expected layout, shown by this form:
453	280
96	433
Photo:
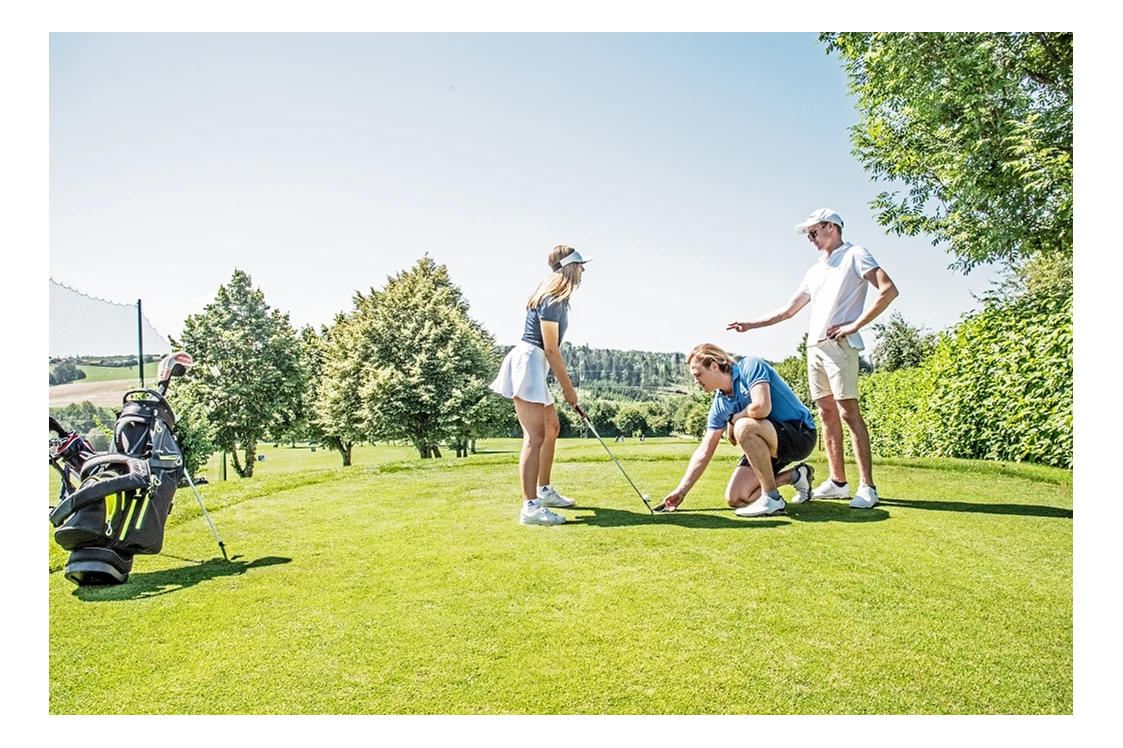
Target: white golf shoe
551	498
762	507
802	475
534	513
828	490
864	498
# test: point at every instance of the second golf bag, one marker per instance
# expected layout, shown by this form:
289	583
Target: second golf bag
125	495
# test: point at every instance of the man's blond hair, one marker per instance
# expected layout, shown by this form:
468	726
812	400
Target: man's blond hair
708	353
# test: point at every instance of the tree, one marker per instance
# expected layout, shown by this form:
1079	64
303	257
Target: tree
67	371
978	126
602	414
84	416
247	380
631	421
658	417
900	345
422	364
696	420
295	423
336	418
1040	274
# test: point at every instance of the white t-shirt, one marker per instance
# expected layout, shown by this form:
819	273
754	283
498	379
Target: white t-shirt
837	290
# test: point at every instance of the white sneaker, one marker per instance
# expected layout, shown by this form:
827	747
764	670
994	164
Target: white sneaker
534	513
802	475
828	490
548	496
864	498
761	507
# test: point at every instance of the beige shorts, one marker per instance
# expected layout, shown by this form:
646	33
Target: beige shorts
832	369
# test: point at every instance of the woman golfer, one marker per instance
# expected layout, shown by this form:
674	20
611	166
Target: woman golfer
522	377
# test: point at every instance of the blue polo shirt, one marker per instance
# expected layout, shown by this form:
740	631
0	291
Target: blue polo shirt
551	311
746	373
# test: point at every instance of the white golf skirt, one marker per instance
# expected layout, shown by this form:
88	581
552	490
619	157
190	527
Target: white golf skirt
523	375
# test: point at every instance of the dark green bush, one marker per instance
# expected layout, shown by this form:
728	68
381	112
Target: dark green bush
997	387
1004	383
897	408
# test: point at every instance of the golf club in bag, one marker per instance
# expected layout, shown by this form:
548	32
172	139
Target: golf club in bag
69	452
123	498
589	423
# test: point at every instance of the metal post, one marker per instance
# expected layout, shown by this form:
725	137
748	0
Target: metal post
140	341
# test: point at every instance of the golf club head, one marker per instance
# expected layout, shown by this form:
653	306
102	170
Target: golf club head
174	365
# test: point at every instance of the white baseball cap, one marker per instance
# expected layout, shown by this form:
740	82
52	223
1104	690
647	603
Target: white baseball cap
569	259
822	215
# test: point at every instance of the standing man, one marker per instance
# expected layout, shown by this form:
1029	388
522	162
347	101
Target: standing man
836	289
765	418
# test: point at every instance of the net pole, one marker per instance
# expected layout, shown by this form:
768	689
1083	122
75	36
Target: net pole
140	342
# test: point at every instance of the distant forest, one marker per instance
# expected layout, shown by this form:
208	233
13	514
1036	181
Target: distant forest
624	375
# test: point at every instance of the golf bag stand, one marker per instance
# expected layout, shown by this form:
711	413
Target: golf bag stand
124	497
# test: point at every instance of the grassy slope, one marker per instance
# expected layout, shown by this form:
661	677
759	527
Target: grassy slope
409	587
114	373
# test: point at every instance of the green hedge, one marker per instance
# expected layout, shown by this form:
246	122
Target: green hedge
997	387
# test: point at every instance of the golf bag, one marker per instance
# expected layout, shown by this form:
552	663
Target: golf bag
123	498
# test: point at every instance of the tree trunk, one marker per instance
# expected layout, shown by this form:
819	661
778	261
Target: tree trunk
472	446
342	447
427	450
251	455
237	464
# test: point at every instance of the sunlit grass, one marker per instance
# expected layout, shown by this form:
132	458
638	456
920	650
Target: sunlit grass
407	586
114	373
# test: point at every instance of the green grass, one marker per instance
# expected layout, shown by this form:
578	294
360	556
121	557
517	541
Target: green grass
115	373
407	586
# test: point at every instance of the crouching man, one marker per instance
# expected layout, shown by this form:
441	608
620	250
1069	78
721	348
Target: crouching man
763	417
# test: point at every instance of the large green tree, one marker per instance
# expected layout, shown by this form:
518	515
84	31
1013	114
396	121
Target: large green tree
900	345
418	363
248	380
337	418
978	127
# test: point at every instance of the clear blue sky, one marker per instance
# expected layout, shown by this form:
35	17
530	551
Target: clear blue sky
322	163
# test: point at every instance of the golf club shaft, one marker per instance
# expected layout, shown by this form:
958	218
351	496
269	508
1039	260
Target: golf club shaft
606	449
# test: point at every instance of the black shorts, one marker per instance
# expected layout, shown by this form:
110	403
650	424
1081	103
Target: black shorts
794	442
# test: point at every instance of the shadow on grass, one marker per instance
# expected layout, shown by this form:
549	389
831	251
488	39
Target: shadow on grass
1024	510
696	519
829	511
153	584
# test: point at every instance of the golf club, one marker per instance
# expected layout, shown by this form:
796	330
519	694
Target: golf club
589	423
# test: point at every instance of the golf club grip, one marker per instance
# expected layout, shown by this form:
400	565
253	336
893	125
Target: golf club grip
56	427
580	412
